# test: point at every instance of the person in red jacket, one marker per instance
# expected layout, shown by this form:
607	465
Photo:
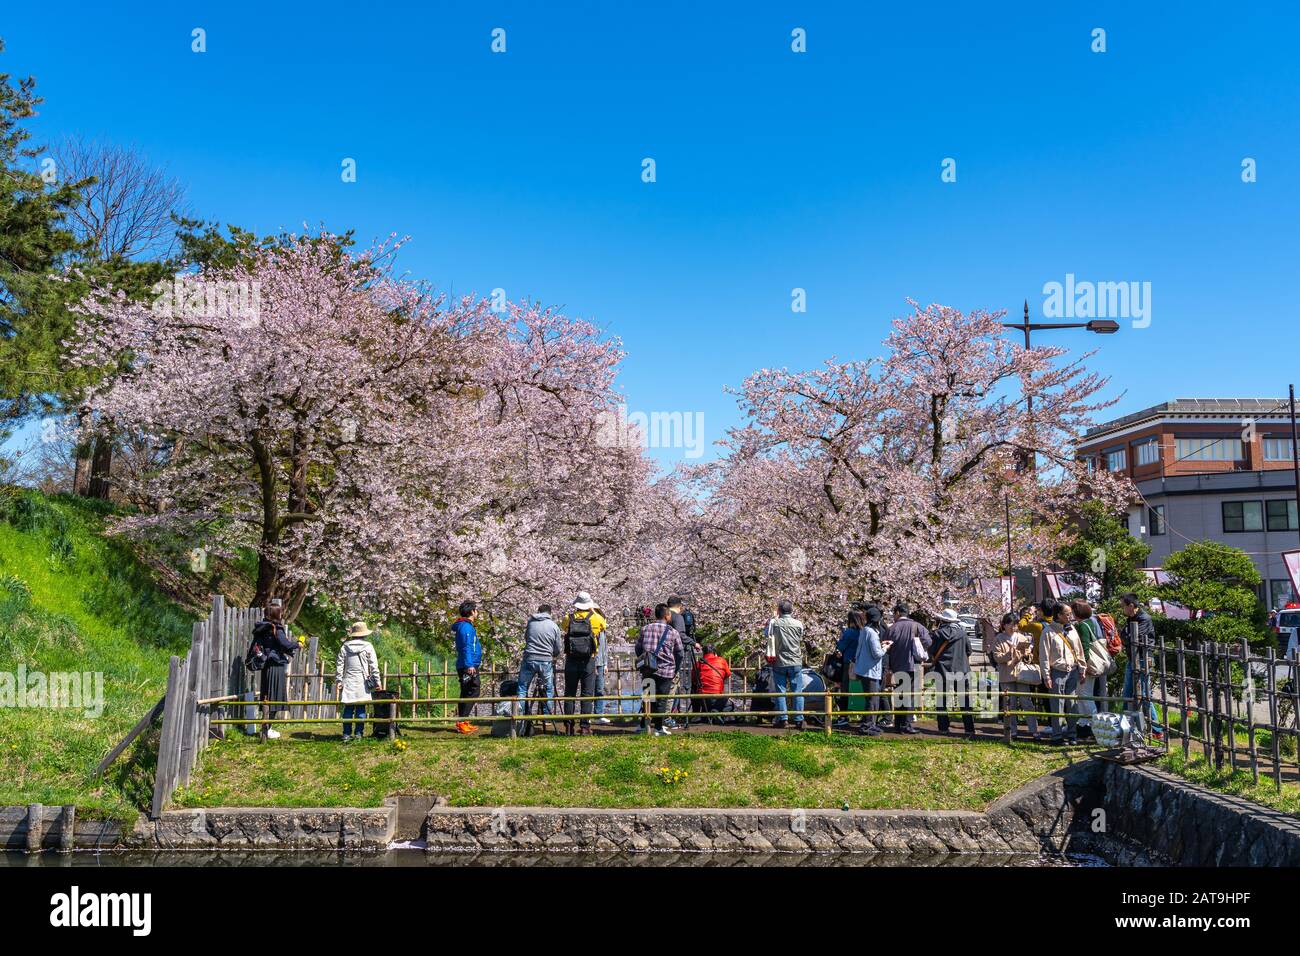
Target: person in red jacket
711	674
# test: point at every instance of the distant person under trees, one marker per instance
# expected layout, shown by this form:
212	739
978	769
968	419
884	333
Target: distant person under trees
279	646
469	656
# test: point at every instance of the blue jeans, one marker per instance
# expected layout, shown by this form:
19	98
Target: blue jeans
527	671
355	712
786	679
1127	693
600	688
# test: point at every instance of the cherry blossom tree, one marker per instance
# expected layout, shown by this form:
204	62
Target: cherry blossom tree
372	442
890	478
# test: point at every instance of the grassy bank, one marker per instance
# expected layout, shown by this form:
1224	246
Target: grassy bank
733	769
73	601
1239	783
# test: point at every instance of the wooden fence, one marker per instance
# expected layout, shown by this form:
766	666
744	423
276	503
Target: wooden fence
214	667
1225	698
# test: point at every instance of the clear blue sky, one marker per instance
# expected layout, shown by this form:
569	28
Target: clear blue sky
775	170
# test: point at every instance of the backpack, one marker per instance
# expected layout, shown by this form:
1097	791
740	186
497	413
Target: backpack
255	659
385	711
688	621
1110	633
647	663
833	666
580	641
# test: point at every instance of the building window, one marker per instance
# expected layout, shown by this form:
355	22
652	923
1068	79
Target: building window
1281	514
1116	460
1283	593
1209	449
1148	453
1156	519
1277	449
1241	516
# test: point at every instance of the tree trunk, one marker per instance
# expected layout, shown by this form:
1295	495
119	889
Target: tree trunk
101	465
81	474
268	573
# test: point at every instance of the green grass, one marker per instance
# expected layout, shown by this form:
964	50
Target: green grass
73	601
734	769
1240	783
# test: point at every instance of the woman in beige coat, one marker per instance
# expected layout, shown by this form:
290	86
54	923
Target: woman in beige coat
356	674
1011	650
1061	657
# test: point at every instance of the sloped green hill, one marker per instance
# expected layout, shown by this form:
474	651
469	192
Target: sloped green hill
73	601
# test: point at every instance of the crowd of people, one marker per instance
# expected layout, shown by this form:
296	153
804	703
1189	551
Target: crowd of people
1053	659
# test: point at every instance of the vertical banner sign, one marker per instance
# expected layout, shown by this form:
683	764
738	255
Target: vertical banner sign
998	590
1292	561
1156	576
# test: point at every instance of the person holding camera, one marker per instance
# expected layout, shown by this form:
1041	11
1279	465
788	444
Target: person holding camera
356	674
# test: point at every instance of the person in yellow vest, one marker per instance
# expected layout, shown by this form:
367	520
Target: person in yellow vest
583	629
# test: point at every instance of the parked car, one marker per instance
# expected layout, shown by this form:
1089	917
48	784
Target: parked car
971	624
1286	628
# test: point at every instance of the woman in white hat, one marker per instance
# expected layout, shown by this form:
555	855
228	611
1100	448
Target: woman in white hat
356	673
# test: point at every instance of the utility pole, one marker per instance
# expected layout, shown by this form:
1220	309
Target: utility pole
1295	458
1098	326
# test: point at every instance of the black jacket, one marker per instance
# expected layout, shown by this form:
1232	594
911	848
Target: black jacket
1146	631
275	640
953	648
900	652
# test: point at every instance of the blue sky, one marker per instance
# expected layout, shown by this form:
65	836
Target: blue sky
775	170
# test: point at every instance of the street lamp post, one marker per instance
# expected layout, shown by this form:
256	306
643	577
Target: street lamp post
1100	327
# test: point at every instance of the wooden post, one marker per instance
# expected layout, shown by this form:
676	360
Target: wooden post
310	692
1164	702
514	716
1203	701
1183	693
163	786
67	828
1249	700
826	700
1272	720
35	827
1213	659
1230	705
1008	722
216	677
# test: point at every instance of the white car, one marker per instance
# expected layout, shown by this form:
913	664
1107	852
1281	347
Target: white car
1286	628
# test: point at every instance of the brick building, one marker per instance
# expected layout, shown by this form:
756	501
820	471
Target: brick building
1208	468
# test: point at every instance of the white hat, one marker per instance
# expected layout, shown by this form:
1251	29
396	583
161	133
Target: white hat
948	614
583	602
359	629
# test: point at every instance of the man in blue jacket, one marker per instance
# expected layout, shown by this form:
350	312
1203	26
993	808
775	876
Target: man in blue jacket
469	655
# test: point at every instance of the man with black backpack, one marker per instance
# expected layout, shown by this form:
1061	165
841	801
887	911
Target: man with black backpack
683	622
582	628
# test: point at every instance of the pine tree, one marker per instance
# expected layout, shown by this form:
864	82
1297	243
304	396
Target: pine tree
34	242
